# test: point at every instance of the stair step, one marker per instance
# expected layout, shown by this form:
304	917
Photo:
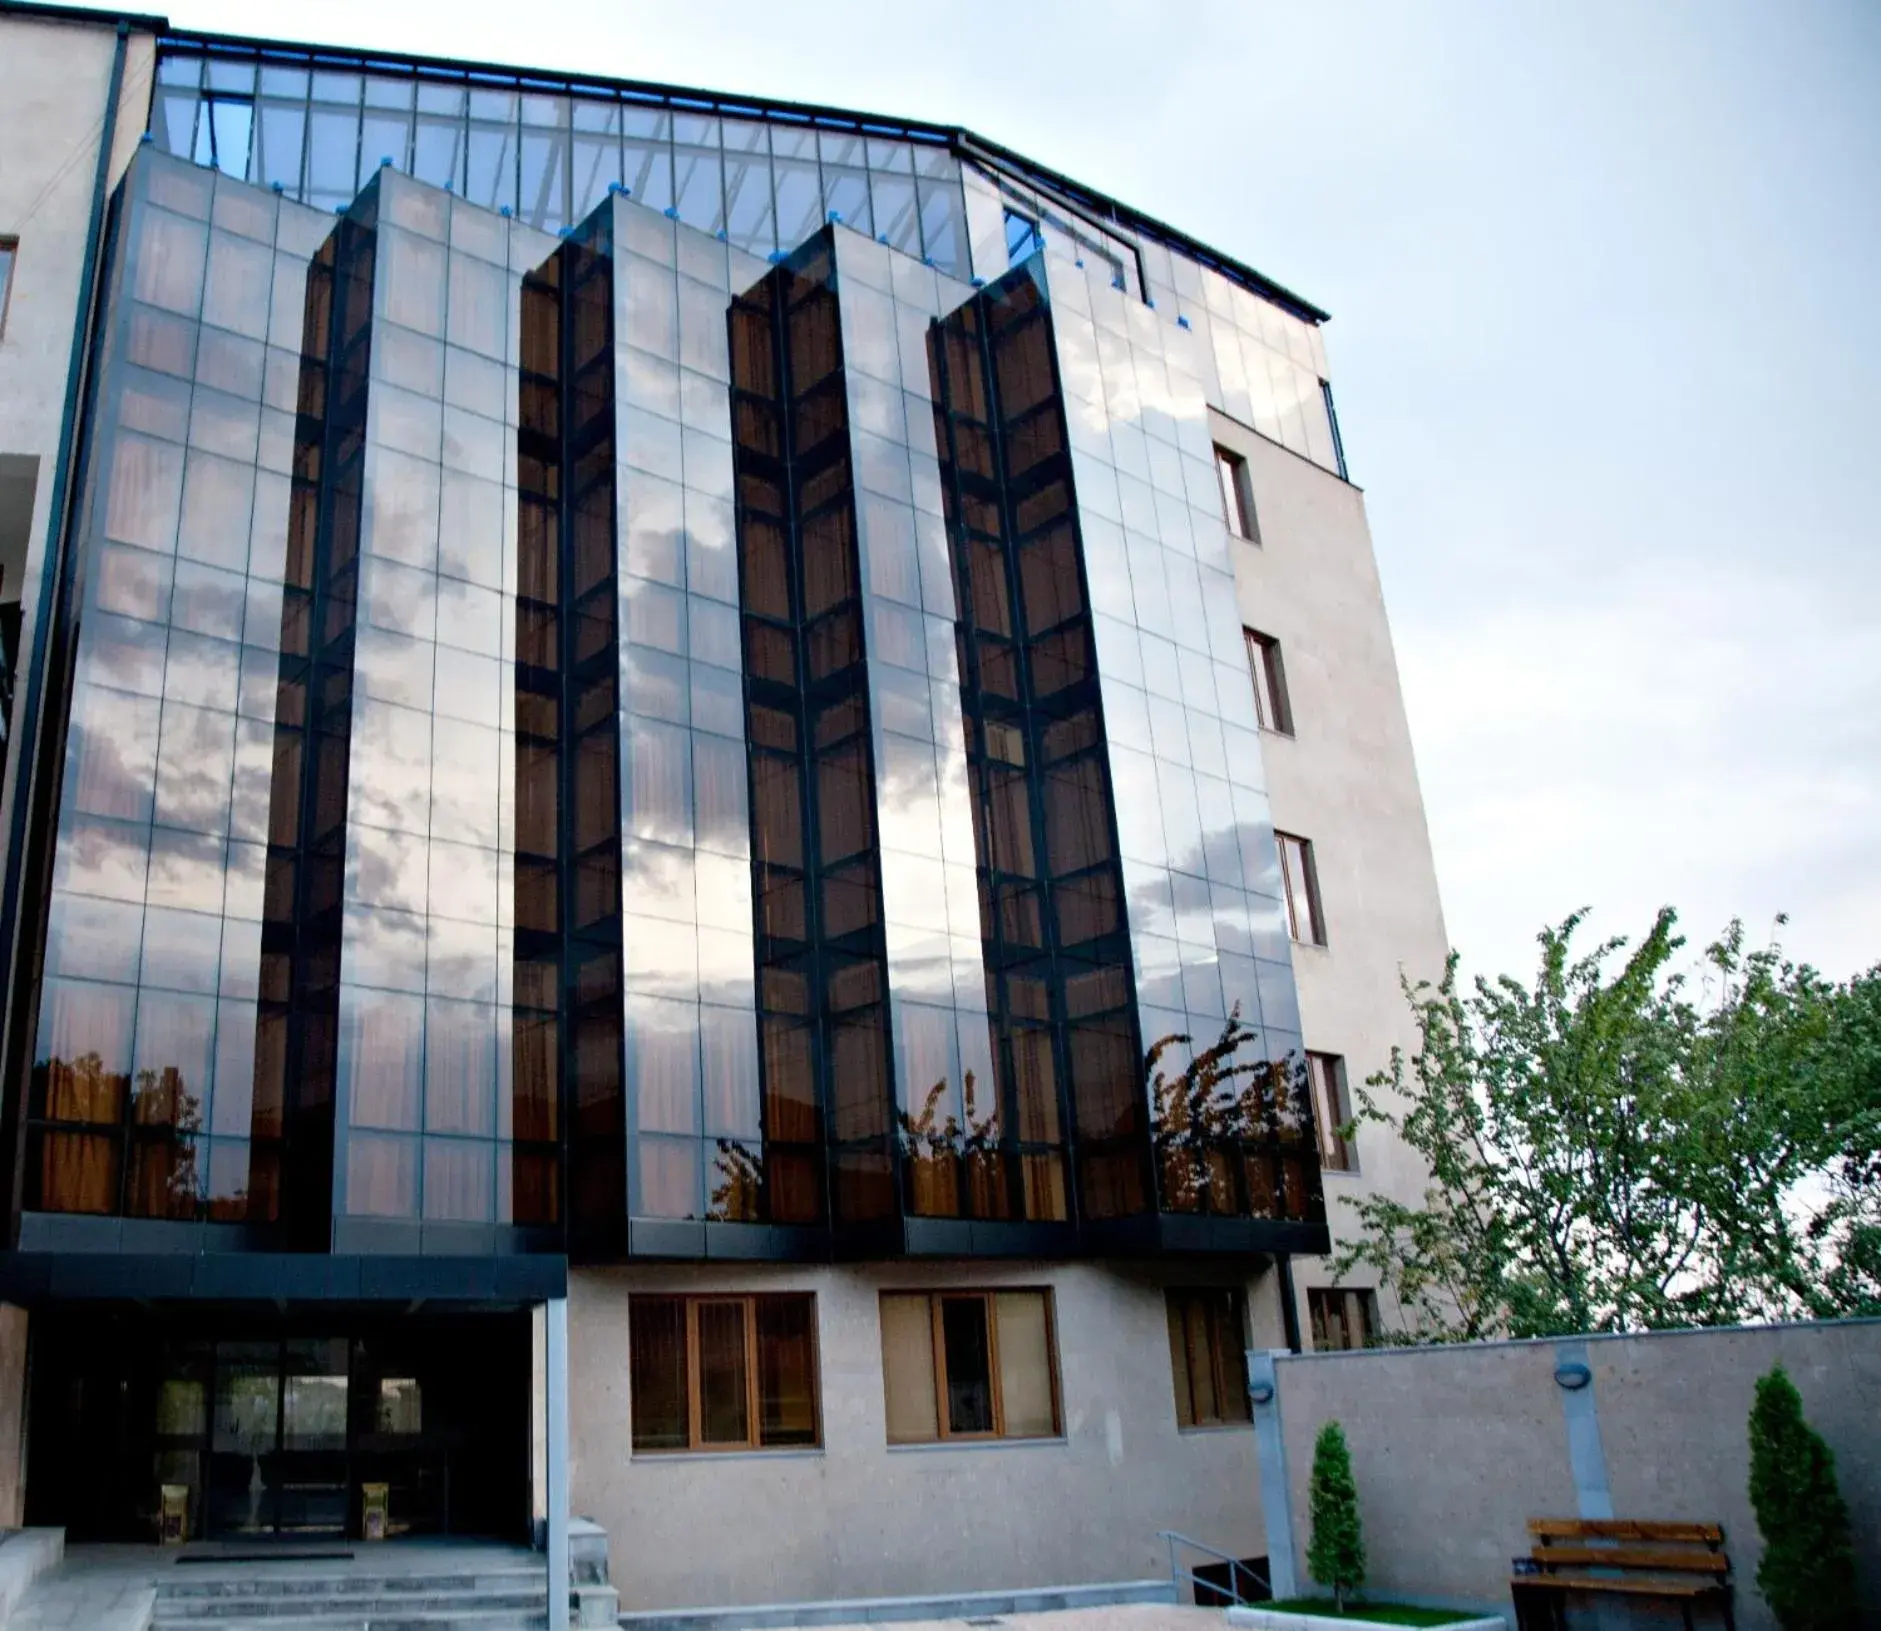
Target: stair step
397	1620
247	1585
361	1603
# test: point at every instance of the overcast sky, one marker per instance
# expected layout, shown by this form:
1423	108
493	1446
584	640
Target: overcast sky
1604	281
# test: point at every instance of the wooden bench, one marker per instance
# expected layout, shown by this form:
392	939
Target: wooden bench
1682	1564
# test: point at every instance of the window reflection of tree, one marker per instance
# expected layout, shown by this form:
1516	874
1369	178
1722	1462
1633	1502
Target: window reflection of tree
1233	1134
943	1154
80	1156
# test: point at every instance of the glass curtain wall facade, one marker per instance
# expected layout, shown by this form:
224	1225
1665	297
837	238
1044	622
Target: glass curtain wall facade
548	153
1200	866
317	125
816	840
1050	892
588	744
153	1093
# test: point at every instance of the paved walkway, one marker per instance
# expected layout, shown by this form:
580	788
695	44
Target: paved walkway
1110	1617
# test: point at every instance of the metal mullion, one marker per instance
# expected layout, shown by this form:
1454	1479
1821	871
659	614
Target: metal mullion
1182	1306
1216	1371
942	1427
993	1388
694	1432
1051	1361
752	1436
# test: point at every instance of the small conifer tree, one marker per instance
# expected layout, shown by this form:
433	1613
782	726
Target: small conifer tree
1336	1554
1807	1574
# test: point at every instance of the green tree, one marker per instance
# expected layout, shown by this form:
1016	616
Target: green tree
1335	1556
1807	1573
1623	1146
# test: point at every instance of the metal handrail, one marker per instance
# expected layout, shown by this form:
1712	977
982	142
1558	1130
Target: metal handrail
1262	1585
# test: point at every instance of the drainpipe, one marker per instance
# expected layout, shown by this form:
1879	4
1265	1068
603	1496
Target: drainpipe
556	1364
1289	1303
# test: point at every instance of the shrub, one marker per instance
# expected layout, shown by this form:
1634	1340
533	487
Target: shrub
1807	1574
1335	1556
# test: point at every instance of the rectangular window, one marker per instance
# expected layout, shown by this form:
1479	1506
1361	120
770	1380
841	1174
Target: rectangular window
1237	495
723	1373
1207	1343
1270	682
1022	237
969	1364
1341	1318
9	252
1325	1076
1305	921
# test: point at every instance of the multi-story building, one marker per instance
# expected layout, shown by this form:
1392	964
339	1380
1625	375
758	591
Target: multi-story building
654	740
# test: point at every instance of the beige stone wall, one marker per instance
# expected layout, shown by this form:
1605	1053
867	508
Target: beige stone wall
1347	780
857	1518
54	81
1455	1449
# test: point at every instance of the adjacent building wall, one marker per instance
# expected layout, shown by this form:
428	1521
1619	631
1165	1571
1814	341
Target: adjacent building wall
1455	1449
856	1518
1345	779
55	77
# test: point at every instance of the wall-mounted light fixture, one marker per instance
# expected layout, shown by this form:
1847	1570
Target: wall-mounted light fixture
1573	1375
1261	1392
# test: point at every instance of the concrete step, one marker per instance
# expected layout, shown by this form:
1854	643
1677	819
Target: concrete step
966	1605
311	1582
458	1620
358	1604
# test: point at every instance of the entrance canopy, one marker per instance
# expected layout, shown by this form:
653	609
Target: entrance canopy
34	1279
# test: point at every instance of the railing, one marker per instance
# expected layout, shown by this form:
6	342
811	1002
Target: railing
1259	1586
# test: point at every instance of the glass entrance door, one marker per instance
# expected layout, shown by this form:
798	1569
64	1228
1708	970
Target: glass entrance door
275	1426
311	1477
277	1453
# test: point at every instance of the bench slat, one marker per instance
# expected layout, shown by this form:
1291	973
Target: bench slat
1634	1557
1623	1529
1636	1586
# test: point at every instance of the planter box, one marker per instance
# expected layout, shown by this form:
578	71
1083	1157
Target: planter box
1256	1618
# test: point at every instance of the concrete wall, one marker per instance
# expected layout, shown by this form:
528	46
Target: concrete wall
1455	1449
1347	780
857	1518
